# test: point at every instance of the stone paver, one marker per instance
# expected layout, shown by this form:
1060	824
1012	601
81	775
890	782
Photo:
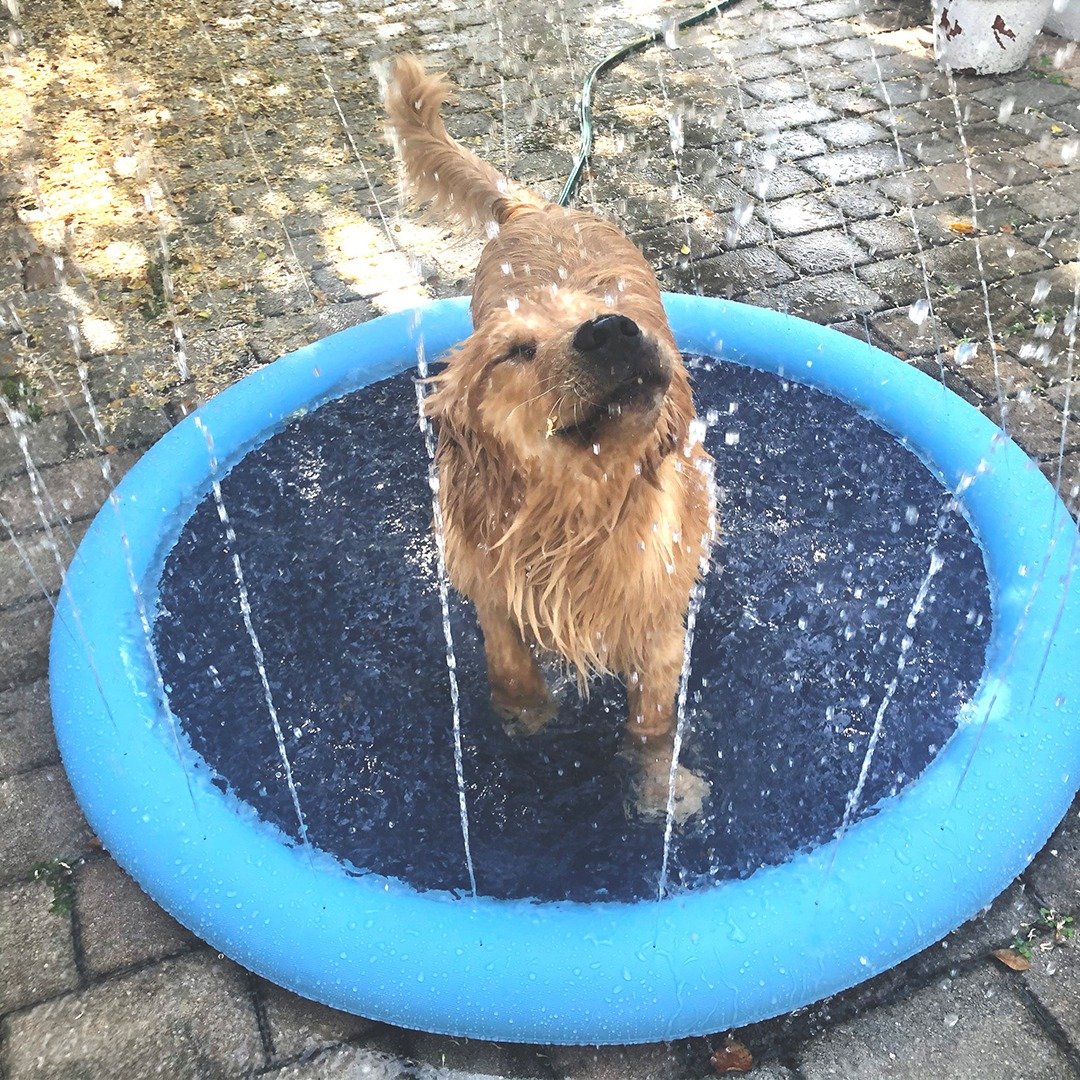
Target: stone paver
26	731
188	1018
24	630
41	822
33	565
801	214
788	191
356	1063
37	951
69	493
968	1028
1054	879
46	442
820	252
109	943
299	1028
1054	979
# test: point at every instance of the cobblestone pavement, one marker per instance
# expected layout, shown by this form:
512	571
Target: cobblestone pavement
191	189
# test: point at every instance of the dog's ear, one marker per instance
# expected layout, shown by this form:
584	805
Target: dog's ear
477	481
672	427
454	402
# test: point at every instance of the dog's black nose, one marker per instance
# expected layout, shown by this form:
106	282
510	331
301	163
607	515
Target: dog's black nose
609	332
622	360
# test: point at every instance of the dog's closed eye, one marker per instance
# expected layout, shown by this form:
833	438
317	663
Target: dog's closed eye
524	350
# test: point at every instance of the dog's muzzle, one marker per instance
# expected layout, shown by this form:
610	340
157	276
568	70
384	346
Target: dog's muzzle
623	362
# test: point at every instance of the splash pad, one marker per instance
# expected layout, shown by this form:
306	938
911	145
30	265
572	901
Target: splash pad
935	815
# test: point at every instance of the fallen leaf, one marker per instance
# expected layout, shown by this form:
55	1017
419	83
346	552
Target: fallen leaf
732	1057
685	249
1012	959
964	227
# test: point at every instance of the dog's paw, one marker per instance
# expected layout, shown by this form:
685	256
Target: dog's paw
651	792
523	716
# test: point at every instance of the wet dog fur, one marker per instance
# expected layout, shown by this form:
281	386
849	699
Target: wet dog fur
574	489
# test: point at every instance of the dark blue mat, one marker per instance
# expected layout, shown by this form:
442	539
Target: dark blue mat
828	524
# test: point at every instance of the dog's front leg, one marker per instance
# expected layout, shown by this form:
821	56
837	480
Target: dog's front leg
651	695
518	692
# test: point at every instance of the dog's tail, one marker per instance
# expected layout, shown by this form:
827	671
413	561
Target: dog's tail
442	173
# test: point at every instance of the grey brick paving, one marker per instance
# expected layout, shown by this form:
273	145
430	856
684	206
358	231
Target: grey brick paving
1054	977
799	214
41	822
972	1027
25	633
819	252
187	1018
70	493
146	932
46	442
861	163
1054	980
355	1063
657	1060
33	565
905	337
299	1028
884	237
26	731
789	176
37	951
820	299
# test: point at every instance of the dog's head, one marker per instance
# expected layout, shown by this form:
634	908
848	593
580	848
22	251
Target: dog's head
566	381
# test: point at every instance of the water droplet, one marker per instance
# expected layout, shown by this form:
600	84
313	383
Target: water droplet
918	311
675	126
1041	290
966	351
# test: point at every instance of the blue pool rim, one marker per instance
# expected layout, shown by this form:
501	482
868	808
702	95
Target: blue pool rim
515	970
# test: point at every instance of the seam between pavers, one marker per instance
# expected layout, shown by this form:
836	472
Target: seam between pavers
82	967
266	1036
113	976
18	605
1047	1022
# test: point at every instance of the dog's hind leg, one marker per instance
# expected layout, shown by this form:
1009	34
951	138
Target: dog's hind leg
518	692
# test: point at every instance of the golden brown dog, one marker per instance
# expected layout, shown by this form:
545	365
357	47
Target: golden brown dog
573	485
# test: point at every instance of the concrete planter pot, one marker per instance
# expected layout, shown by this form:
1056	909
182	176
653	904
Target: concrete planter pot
986	37
1064	19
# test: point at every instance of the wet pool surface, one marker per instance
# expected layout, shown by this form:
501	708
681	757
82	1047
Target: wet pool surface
828	523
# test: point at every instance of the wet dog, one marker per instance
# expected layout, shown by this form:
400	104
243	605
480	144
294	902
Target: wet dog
573	485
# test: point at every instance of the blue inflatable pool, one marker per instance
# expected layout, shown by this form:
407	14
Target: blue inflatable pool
744	934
